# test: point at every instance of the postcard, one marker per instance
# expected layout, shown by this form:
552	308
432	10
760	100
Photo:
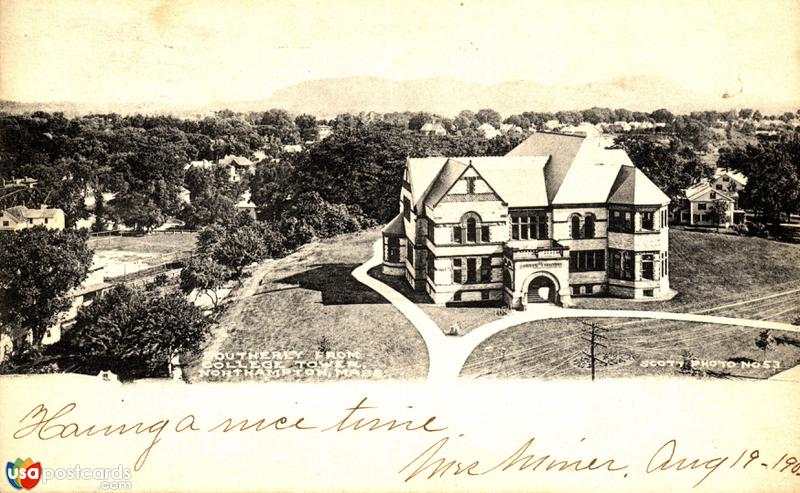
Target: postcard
400	246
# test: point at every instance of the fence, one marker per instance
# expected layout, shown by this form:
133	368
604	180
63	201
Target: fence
168	262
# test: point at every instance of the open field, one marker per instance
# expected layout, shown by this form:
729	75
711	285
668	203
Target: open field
153	243
555	349
308	301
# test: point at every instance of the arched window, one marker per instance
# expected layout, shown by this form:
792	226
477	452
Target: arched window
576	227
472	234
588	226
474	230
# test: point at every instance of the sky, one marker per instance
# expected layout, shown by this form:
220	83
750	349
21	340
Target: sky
205	52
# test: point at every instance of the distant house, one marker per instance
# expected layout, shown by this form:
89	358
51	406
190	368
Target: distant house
489	131
246	205
702	199
323	131
20	217
433	128
20	183
237	166
293	148
585	129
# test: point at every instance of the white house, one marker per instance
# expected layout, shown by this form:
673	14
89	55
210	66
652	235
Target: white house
21	217
713	202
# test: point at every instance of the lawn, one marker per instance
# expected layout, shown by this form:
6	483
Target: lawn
556	349
308	302
709	269
153	243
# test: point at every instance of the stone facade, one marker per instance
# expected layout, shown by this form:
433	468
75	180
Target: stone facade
462	236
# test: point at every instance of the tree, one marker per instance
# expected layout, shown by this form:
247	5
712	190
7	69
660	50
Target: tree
234	247
38	267
718	212
772	169
672	166
489	116
135	334
307	126
745	113
205	275
418	120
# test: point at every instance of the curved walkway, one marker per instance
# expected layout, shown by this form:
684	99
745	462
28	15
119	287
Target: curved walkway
447	354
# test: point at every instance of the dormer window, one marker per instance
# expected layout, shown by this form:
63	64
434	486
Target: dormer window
713	195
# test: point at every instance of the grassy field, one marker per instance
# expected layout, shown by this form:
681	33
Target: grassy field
709	269
555	349
308	301
153	243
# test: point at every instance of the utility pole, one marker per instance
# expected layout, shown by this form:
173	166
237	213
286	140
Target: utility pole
594	334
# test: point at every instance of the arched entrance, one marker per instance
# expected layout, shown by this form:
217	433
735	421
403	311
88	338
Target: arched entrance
542	289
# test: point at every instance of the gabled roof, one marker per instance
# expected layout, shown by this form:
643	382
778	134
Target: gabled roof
632	187
702	188
448	175
236	161
734	175
562	150
525	188
21	213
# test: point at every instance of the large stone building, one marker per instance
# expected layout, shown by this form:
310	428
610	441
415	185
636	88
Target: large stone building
559	216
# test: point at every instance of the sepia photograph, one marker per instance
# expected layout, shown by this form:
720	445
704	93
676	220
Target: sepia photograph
449	208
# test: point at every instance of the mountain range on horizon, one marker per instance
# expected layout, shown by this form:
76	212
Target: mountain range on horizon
326	98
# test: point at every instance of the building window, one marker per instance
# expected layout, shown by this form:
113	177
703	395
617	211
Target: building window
486	269
406	208
719	186
725	178
46	220
471	230
647	268
529	226
648	293
457	278
621	222
410	253
30	221
621	264
484	295
457	234
507	282
431	228
430	265
472	271
712	195
5	224
470	184
587	261
647	221
588	226
457	296
393	254
701	207
485	234
576	227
